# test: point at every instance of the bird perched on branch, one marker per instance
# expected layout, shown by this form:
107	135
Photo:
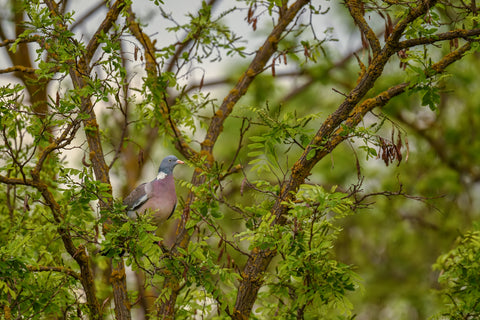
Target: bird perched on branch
157	195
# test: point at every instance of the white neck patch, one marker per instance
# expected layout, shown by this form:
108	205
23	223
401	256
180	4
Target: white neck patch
161	175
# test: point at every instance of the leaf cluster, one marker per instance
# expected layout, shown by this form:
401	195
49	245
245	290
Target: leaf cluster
459	277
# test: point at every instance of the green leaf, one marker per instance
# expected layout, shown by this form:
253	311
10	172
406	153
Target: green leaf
431	98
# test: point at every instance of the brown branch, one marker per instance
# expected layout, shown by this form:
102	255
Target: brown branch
124	111
63	140
453	56
17	69
149	48
22	71
326	72
100	167
32	38
365	83
422	8
261	58
449	35
65	270
356	11
110	18
323	147
357	115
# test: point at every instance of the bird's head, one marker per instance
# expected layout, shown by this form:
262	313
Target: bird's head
167	165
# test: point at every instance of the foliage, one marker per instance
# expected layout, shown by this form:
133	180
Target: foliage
459	277
274	220
308	281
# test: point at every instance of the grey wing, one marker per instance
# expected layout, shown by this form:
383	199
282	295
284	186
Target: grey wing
136	198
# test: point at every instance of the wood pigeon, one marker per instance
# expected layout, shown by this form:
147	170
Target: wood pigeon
157	195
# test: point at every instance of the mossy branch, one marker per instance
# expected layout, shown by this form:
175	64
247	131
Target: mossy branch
357	12
64	270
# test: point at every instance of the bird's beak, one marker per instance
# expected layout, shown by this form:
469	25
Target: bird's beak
180	162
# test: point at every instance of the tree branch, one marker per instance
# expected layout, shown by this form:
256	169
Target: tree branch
63	140
104	27
356	11
17	69
67	271
32	38
153	71
365	83
449	35
263	55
